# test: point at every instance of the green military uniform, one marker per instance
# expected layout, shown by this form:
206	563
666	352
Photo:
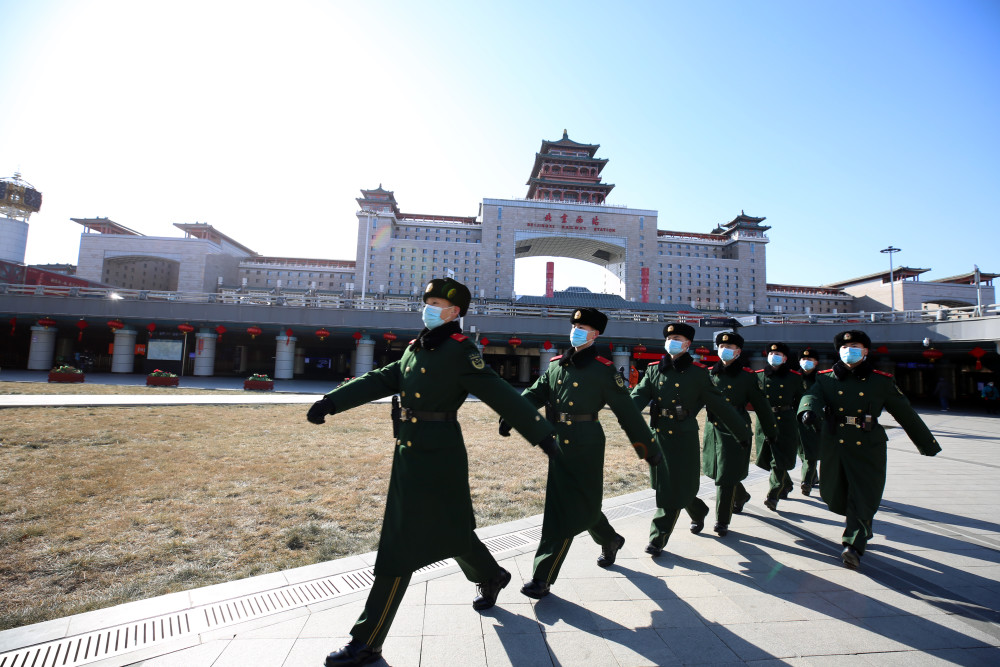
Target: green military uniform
853	443
678	389
575	387
808	438
725	460
428	514
783	388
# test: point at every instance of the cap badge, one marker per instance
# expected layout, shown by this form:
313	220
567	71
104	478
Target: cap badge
430	287
847	336
577	315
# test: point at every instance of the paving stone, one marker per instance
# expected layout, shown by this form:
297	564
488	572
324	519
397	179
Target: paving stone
452	649
242	652
639	648
580	648
516	650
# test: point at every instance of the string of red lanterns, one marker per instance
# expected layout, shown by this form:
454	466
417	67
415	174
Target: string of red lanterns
219	330
81	324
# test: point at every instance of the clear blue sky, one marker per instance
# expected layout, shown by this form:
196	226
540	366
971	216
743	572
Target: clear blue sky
849	125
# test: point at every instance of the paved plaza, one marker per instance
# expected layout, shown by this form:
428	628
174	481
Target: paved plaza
772	591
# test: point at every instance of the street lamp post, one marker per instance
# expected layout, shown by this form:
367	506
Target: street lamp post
368	239
892	287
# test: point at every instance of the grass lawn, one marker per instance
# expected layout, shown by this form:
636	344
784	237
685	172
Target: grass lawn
102	506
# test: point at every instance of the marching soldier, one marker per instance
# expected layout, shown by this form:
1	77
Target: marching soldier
574	388
727	450
808	438
852	395
784	389
428	513
676	389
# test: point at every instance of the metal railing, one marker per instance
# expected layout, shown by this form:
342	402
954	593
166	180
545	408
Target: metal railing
489	308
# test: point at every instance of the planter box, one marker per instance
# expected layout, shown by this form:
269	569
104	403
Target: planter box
259	385
160	381
66	377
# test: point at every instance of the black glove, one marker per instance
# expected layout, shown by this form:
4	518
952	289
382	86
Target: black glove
654	460
504	428
548	445
809	420
320	409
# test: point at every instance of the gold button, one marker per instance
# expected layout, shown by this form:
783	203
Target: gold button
661	383
571	403
841	409
657	429
728	400
670	432
861	393
576	384
398	442
859	442
841	442
778	418
538	418
671	416
423	370
677	384
417	394
841	393
407	369
566	441
779	395
402	393
413	420
558	381
729	386
409	444
569	422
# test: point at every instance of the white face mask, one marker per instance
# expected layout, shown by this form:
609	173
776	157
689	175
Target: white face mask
851	355
727	354
775	359
807	364
673	346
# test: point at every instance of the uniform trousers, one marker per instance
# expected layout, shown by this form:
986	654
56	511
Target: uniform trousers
551	553
810	467
372	626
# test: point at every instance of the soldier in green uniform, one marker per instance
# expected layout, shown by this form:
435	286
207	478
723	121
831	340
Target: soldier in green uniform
727	450
574	388
676	389
851	396
808	438
783	388
428	513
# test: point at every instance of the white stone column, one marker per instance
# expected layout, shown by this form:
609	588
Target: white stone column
284	357
204	353
622	357
43	346
544	357
123	358
523	369
364	357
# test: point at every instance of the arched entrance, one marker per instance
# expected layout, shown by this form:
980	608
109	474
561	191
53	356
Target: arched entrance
607	252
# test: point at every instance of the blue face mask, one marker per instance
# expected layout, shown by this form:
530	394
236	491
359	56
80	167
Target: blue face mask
807	364
775	359
727	354
674	347
578	337
851	355
432	316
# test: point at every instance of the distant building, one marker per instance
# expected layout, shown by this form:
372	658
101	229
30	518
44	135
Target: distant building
875	292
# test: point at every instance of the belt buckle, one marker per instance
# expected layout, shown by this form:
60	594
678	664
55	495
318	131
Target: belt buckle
853	421
563	418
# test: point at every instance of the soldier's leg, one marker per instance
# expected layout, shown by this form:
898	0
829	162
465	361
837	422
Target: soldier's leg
786	486
698	511
602	532
740	497
381	607
661	527
549	558
478	564
775	482
725	498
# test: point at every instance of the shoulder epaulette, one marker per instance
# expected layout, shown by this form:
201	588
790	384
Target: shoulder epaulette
794	371
759	371
460	337
558	356
828	370
412	341
606	362
888	375
749	370
698	364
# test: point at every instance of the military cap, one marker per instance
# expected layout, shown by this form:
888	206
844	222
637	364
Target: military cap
591	317
449	290
852	336
729	338
679	329
809	353
778	347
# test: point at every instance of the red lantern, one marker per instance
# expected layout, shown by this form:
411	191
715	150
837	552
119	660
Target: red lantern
186	328
322	334
514	342
882	349
219	330
703	351
288	336
13	325
640	348
356	336
932	355
547	345
484	341
389	337
978	353
115	325
46	322
254	331
151	327
81	324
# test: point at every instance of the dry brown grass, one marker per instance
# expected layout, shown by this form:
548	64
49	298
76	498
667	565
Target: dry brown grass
11	388
102	506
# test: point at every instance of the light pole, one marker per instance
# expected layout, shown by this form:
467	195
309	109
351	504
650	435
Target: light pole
364	275
892	287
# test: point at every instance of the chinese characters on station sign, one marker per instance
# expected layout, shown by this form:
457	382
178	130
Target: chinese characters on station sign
566	225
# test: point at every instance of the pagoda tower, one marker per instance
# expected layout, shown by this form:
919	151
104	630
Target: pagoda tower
18	200
567	171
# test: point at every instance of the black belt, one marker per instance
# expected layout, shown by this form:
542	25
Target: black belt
784	409
866	422
565	417
418	415
678	411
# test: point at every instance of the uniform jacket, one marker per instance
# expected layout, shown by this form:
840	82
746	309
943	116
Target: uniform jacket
685	383
725	460
783	388
578	383
428	511
852	459
807	436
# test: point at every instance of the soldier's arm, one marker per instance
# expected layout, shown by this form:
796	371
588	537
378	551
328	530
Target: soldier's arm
538	393
617	397
482	382
642	393
899	407
373	385
723	410
762	408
